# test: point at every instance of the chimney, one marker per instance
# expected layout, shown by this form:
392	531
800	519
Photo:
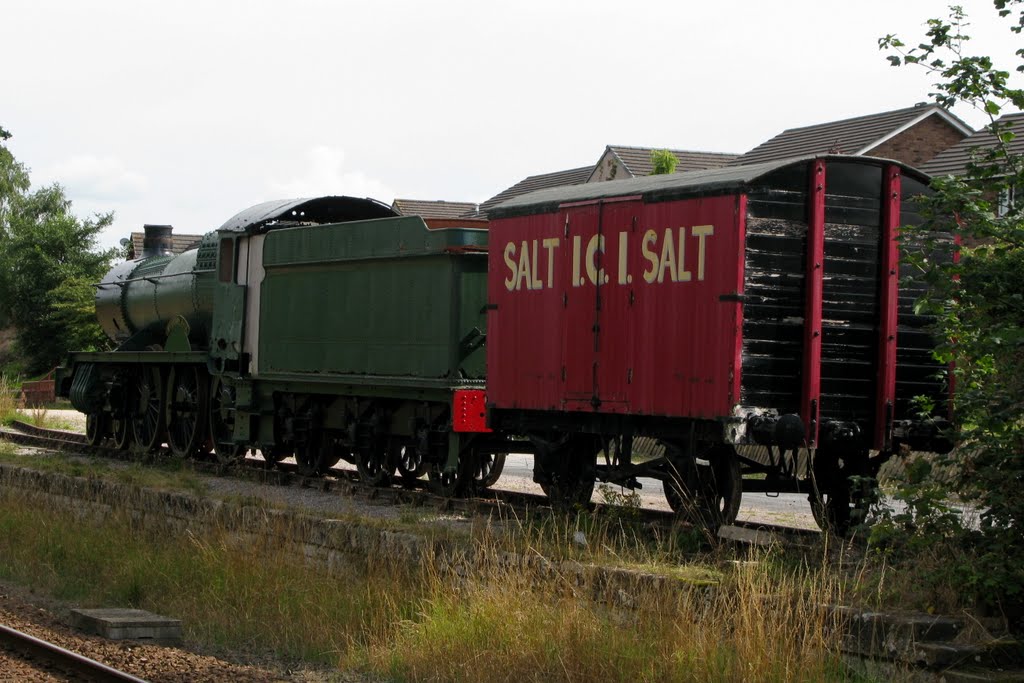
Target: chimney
157	241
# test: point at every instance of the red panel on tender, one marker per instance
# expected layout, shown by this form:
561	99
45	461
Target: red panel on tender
618	307
469	411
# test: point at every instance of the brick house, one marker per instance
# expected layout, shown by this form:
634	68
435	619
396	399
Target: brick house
913	135
615	163
620	162
179	243
954	161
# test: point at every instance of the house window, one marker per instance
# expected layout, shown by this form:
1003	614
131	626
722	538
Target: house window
1008	198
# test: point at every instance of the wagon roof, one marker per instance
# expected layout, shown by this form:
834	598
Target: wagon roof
331	209
713	181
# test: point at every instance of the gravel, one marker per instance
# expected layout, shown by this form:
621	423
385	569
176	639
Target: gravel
24	612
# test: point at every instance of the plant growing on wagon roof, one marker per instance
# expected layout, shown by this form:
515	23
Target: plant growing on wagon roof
663	161
979	304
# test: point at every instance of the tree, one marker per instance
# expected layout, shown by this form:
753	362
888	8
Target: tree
48	263
979	303
14	182
664	162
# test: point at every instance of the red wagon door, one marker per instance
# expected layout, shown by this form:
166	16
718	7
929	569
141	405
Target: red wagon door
597	337
578	323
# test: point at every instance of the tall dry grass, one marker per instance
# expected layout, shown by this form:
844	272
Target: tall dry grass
487	621
757	623
8	400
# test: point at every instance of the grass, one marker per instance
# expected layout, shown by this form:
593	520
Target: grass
164	475
427	622
8	400
38	416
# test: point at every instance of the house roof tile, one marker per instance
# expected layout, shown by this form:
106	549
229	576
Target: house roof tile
637	160
954	160
432	209
574	176
857	135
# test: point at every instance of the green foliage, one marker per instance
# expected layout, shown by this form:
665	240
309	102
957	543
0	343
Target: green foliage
664	162
980	309
14	183
48	262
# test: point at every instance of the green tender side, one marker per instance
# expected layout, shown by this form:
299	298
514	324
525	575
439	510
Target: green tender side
385	298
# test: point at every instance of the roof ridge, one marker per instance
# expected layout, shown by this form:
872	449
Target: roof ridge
920	107
432	201
670	149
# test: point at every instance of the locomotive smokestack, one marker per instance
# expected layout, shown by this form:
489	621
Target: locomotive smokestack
157	241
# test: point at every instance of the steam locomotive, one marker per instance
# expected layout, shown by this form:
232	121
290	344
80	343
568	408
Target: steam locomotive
744	320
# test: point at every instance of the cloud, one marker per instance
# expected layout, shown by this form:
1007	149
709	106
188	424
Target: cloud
324	174
90	177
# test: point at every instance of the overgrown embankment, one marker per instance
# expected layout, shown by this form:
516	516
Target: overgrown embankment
364	596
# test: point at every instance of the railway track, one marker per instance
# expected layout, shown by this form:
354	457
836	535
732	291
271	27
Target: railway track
346	482
54	659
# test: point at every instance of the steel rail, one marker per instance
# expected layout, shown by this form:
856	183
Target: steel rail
347	482
65	660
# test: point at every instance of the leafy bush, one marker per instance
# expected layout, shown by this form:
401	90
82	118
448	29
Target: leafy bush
979	304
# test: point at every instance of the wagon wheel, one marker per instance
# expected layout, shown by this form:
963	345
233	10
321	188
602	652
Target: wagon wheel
95	428
222	422
147	409
839	502
705	491
410	464
187	408
567	474
487	469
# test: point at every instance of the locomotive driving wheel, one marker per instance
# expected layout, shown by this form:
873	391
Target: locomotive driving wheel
222	422
147	409
120	432
187	407
95	428
705	490
568	472
119	420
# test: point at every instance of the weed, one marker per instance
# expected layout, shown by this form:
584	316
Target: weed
521	622
8	400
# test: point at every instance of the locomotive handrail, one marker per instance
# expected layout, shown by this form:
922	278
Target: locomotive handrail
148	278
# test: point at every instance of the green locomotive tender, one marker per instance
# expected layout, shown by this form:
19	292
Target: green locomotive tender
326	329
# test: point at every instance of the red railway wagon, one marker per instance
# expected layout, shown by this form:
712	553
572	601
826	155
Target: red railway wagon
749	318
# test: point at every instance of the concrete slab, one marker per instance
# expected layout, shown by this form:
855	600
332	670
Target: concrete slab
127	624
758	537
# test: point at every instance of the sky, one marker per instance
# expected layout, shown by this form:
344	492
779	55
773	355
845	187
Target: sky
187	112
